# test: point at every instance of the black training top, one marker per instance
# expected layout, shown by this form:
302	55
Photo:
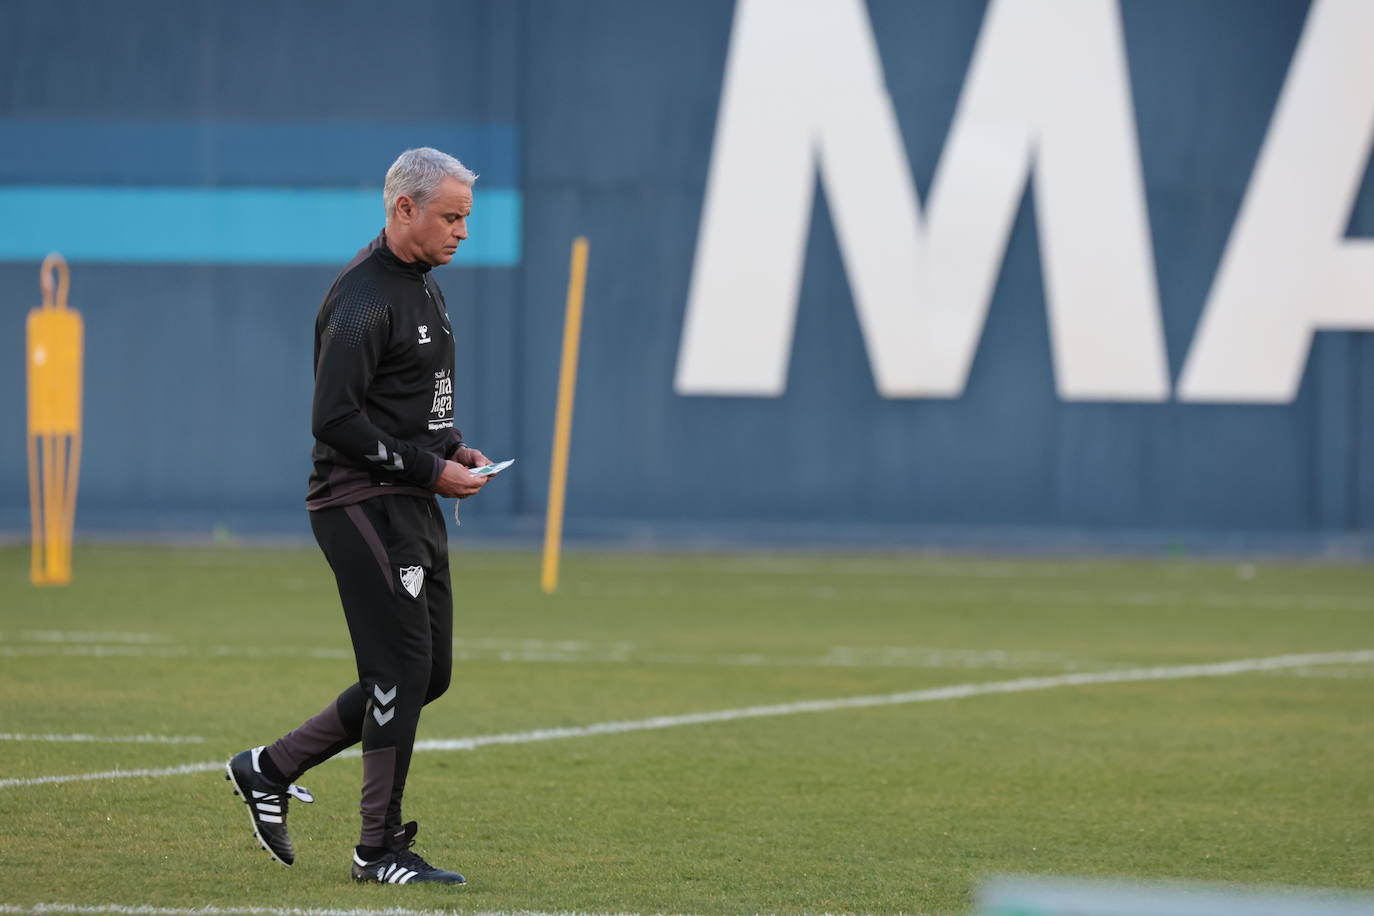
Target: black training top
383	409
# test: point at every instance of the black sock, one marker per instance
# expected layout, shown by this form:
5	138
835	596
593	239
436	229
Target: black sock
270	769
371	853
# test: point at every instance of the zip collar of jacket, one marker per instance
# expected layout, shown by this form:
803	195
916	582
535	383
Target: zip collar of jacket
388	258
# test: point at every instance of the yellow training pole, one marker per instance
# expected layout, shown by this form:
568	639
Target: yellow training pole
54	430
562	424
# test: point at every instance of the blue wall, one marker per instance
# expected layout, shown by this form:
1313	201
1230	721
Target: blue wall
597	117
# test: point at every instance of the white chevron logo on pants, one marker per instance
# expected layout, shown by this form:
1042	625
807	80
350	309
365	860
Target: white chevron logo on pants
384	698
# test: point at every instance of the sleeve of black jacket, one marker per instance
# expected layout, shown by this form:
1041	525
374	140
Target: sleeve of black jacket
352	338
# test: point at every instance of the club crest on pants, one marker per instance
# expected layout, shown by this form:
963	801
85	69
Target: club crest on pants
412	578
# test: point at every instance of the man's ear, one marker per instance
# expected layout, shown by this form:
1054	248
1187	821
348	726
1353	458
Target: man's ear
405	209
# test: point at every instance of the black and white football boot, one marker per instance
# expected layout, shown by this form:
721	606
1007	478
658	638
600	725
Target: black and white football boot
267	802
401	866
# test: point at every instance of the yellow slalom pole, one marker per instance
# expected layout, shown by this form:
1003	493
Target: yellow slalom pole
36	567
55	343
562	424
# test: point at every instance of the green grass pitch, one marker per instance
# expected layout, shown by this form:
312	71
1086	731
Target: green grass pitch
1260	777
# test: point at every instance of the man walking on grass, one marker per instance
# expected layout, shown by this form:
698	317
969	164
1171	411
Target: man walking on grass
385	444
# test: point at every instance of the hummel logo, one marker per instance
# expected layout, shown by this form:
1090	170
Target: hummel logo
395	463
412	578
383	698
424	334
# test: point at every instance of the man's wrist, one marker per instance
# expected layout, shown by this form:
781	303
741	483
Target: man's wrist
436	469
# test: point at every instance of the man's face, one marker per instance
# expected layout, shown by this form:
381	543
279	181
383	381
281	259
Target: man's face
442	223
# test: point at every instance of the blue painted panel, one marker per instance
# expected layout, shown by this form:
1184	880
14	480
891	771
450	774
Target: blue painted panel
172	153
225	225
275	61
609	110
198	387
1008	451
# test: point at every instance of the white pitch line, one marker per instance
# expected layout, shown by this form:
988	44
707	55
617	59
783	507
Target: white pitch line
87	636
88	651
929	695
115	774
107	739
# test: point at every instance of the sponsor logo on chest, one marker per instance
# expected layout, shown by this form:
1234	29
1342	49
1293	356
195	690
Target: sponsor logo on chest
441	408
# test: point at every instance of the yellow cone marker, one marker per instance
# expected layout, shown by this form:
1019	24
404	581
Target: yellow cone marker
54	374
562	424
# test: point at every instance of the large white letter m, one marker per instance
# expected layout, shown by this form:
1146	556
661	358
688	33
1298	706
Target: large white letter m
1047	99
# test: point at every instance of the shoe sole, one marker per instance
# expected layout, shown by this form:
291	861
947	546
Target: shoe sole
357	880
257	834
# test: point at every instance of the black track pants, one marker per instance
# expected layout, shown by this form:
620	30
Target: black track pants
390	559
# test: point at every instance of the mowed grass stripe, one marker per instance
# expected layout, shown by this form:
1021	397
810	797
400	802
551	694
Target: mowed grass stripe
147	910
653	723
536	651
1302	601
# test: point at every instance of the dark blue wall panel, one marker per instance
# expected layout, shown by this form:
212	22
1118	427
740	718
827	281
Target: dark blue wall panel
600	114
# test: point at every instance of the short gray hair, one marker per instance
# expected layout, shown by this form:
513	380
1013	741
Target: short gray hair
417	173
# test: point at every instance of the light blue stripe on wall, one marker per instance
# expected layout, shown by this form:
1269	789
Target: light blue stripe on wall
316	226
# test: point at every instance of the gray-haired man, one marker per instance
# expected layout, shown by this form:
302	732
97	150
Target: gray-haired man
385	444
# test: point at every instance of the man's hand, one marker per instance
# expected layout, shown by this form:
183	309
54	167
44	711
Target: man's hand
469	457
456	480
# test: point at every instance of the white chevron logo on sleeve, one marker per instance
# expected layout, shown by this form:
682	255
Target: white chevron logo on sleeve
382	717
395	464
383	698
